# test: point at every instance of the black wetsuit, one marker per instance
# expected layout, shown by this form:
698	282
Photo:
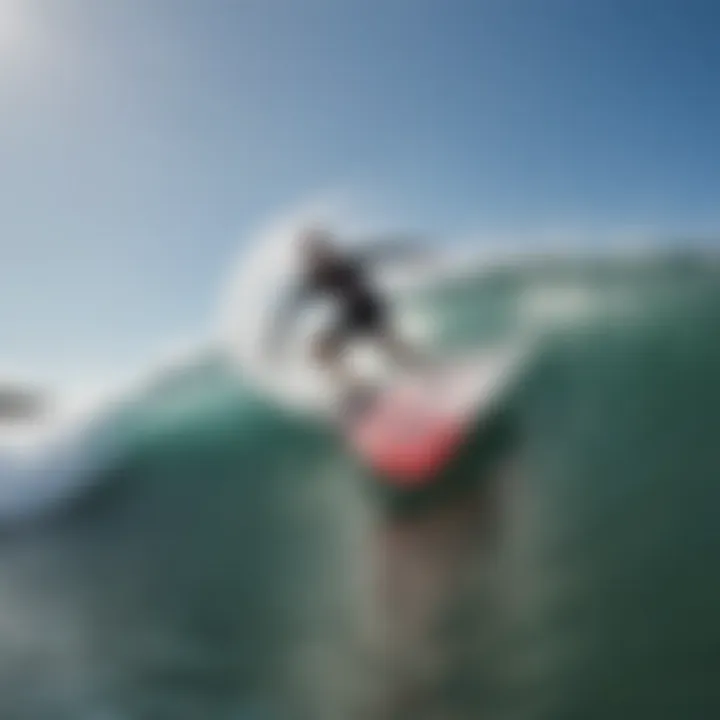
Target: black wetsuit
344	279
361	310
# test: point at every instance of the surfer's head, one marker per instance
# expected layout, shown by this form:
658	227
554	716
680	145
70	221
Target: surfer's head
317	246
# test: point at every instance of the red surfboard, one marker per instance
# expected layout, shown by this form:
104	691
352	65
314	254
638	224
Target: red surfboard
415	427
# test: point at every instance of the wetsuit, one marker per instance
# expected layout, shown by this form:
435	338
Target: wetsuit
361	310
344	279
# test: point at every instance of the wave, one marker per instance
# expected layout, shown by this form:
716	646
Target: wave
465	299
248	557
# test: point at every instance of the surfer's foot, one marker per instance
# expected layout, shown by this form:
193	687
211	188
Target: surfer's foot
405	358
415	362
349	389
356	401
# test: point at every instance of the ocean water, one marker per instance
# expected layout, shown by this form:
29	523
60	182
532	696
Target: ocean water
231	560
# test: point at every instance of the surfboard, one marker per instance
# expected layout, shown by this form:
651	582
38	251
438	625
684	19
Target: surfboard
411	430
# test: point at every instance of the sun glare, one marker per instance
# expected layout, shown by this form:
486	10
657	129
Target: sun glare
14	29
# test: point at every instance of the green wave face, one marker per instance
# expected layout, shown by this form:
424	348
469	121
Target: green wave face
234	561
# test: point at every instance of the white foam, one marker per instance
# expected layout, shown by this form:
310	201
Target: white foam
45	461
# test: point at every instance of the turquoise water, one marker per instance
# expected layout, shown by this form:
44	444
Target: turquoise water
233	561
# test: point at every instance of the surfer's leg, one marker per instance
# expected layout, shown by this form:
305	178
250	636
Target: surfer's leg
401	352
328	352
406	357
374	321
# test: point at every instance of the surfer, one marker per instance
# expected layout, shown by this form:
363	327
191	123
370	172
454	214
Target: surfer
329	271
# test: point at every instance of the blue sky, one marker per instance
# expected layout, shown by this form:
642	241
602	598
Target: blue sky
141	140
